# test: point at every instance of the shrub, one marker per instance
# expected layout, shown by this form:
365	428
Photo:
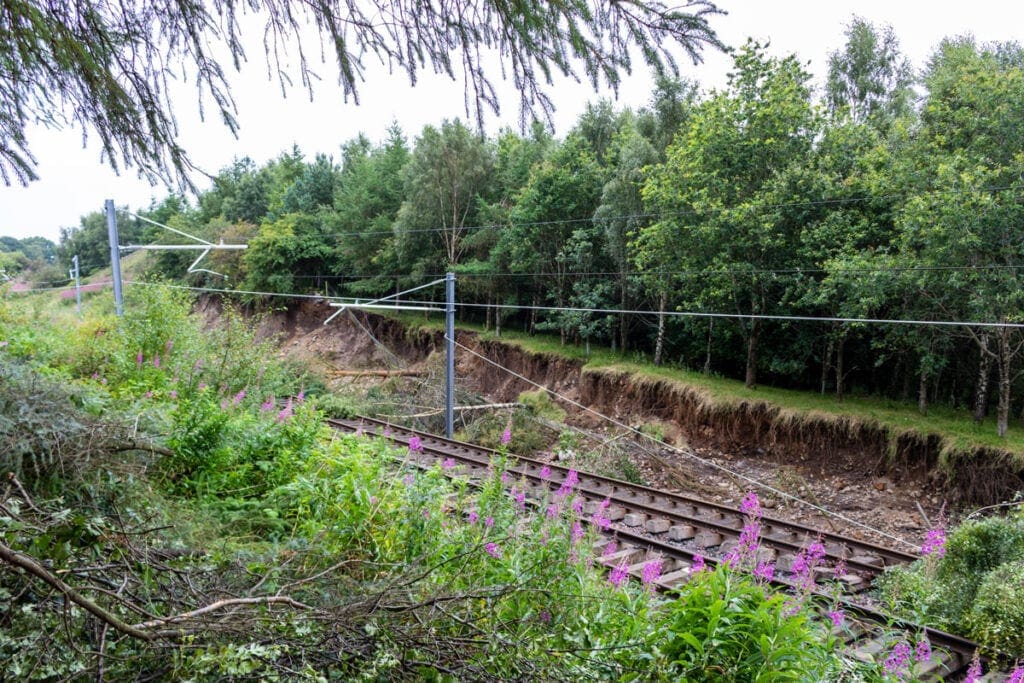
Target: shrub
997	616
724	626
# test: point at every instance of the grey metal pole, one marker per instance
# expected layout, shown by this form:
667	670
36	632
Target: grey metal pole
115	255
78	285
449	374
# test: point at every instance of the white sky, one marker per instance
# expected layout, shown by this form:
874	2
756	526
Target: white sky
75	182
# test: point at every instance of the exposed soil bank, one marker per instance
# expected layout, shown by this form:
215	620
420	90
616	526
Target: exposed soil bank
824	444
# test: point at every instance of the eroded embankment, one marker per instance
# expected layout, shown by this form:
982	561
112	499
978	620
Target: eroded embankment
824	443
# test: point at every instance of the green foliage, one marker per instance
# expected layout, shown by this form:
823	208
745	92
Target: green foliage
997	616
539	403
971	589
724	626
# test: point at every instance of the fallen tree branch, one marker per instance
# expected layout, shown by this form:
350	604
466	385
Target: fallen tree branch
219	605
487	406
139	446
25	562
376	373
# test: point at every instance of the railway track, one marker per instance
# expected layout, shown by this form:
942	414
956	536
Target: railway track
676	529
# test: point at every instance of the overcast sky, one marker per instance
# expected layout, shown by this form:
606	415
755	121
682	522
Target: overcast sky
75	181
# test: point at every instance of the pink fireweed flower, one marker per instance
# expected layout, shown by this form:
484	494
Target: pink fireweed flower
173	393
286	412
156	361
544	616
651	572
545	472
489	522
238	397
492	549
1017	676
202	385
148	394
751	506
409	479
896	663
618	575
571	479
506	478
764	571
934	543
923	651
168	345
267	405
506	437
415	444
473	516
138	359
600	521
448	463
224	404
610	549
837	616
301	397
974	671
520	498
577	506
698	564
552	511
576	533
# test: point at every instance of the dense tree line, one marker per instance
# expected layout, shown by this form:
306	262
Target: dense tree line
889	195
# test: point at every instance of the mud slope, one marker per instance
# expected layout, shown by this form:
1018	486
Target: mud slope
823	443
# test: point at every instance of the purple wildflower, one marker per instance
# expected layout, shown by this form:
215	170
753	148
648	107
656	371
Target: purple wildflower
577	506
610	549
576	533
409	479
545	472
238	397
837	616
764	571
301	397
168	345
156	361
520	498
473	516
138	359
1017	676
698	564
651	572
923	651
447	463
492	549
896	663
415	444
974	671
173	394
224	404
571	479
751	506
148	394
202	385
506	478
286	412
544	616
267	405
506	437
934	542
552	511
489	522
618	575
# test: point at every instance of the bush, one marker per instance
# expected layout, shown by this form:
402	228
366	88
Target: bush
724	626
997	615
